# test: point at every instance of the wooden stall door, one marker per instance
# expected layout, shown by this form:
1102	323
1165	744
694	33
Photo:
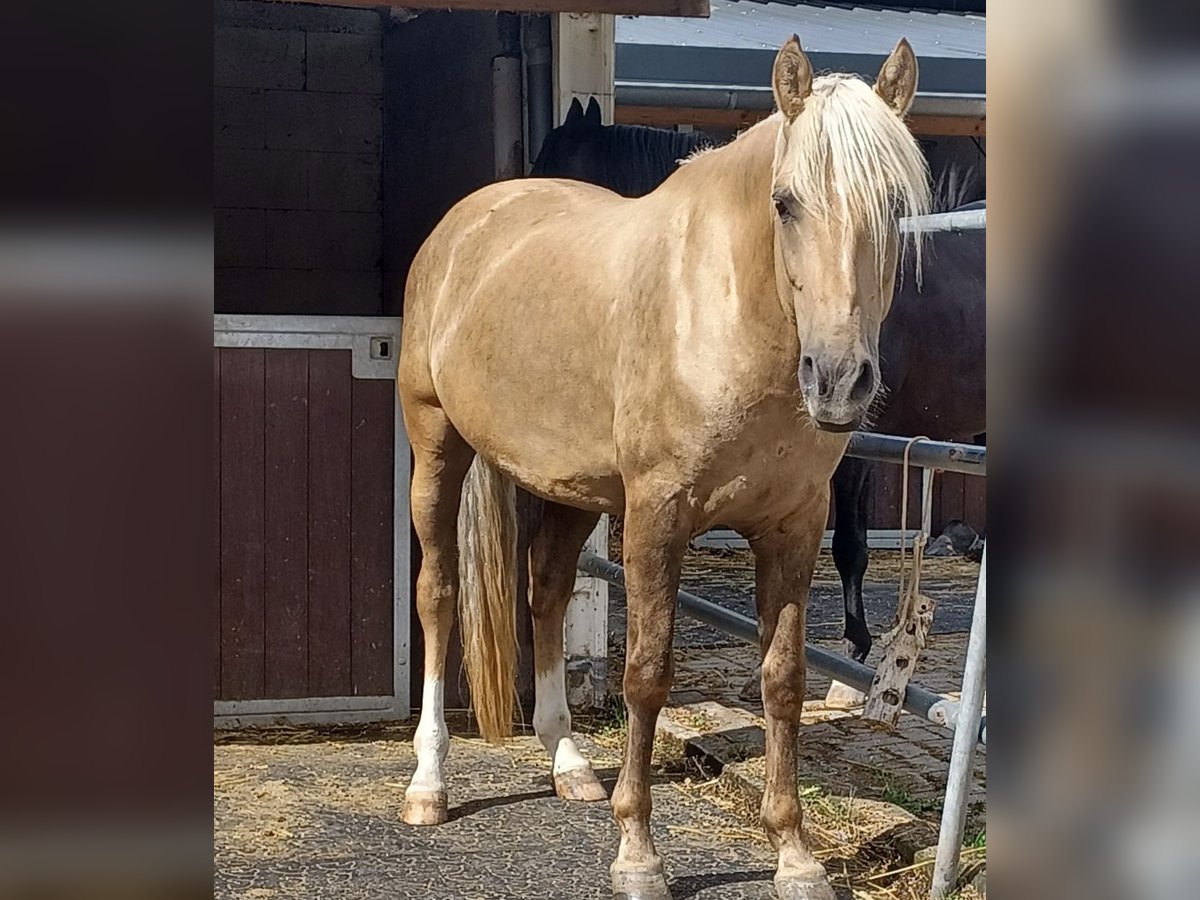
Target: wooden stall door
304	469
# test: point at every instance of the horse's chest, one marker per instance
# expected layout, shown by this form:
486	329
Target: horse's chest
762	456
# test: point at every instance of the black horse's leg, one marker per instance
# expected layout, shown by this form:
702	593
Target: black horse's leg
851	497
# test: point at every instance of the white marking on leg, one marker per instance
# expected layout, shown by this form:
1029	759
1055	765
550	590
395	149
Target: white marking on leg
552	719
432	739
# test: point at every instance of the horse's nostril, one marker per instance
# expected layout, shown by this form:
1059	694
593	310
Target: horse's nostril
864	384
808	374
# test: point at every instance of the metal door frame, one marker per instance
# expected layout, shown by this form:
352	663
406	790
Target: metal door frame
365	337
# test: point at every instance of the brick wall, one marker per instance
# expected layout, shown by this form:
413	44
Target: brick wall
298	143
437	128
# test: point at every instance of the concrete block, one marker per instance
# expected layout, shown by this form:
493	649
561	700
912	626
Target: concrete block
259	178
324	240
344	63
344	181
295	17
239	118
297	292
339	123
255	57
240	237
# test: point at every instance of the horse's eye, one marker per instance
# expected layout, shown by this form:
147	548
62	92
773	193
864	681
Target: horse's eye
781	208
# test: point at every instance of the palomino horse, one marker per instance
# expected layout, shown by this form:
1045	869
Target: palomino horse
704	359
931	345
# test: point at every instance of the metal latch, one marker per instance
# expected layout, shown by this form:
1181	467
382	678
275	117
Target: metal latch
383	347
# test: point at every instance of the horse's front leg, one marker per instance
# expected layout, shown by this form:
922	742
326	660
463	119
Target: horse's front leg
655	538
784	567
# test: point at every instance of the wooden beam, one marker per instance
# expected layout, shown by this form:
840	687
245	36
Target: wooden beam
683	8
670	116
948	126
585	60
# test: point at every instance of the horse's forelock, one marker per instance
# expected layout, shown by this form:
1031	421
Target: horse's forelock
853	159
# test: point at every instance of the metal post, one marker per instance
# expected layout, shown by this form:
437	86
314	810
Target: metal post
926	502
539	63
962	756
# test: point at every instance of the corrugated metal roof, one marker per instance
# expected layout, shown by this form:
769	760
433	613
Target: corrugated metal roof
742	36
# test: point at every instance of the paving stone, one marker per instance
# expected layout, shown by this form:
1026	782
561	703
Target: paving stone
323	820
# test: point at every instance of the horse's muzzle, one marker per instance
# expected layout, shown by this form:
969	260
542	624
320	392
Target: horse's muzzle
837	389
837	427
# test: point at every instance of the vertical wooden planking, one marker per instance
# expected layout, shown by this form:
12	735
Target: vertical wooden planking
329	648
914	495
885	504
217	522
939	488
953	486
371	521
242	506
975	502
286	593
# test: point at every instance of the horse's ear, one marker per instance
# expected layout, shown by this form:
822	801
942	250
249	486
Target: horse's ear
791	79
574	113
592	117
897	81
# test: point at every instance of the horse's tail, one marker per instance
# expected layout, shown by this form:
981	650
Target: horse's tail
487	568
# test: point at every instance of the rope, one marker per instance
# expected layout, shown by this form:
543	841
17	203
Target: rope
921	537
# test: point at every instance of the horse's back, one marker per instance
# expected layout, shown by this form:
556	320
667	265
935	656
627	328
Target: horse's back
504	293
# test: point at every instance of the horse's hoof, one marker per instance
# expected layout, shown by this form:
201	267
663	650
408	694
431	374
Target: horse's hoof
640	886
425	808
804	887
842	696
579	784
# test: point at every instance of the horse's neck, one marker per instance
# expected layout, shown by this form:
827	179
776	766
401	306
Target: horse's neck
731	185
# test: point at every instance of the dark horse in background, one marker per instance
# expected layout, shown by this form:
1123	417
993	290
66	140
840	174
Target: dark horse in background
931	345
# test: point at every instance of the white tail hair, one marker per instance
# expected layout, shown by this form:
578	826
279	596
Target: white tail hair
487	572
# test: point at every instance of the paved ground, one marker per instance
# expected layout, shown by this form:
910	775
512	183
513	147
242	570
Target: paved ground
306	815
322	820
837	750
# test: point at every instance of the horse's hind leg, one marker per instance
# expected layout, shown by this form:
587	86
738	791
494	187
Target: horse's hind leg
440	462
552	555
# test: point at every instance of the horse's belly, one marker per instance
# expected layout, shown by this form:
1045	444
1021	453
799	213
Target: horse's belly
545	426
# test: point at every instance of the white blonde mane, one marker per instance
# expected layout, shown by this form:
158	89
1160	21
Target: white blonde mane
852	160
